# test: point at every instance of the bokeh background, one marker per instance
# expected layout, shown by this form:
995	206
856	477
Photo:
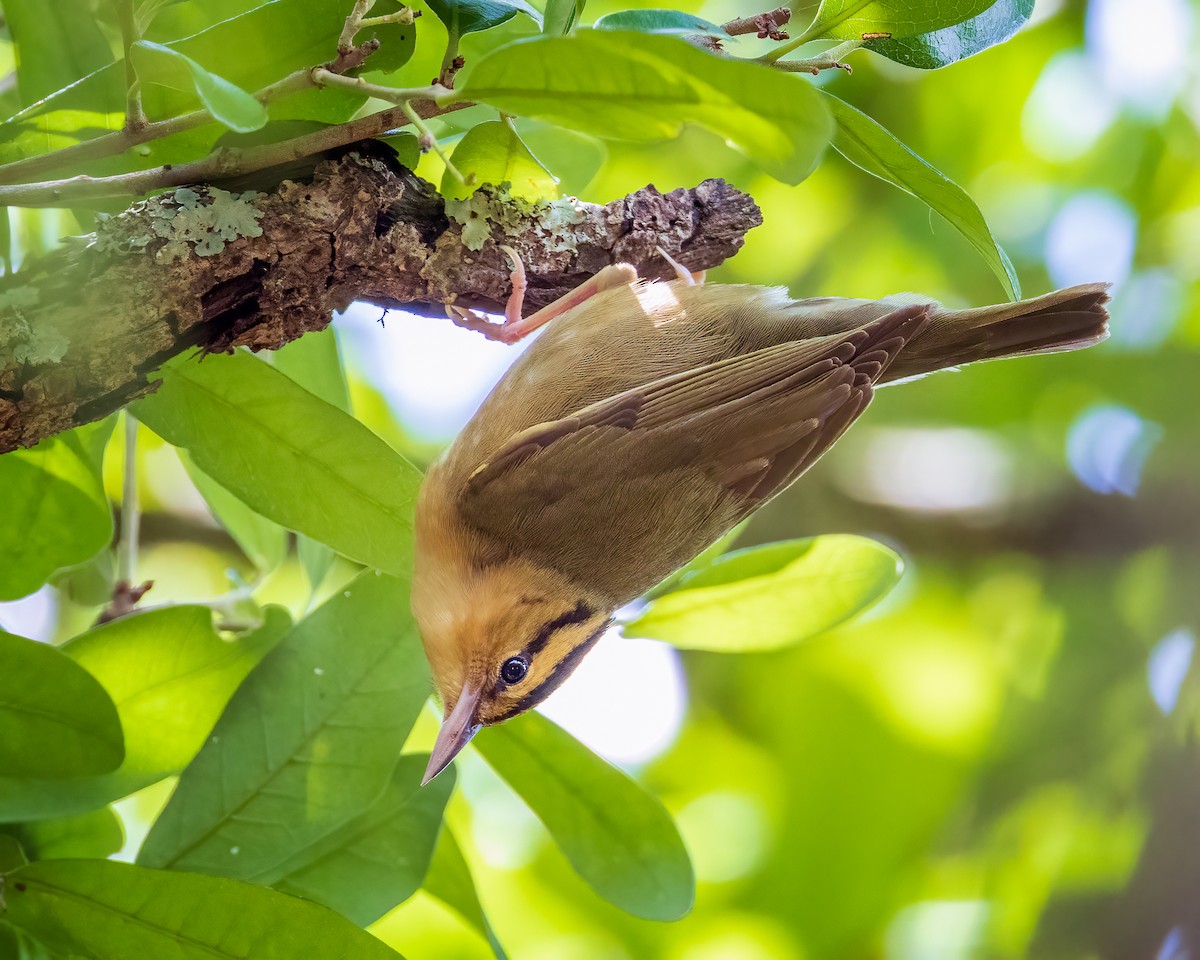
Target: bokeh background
1000	759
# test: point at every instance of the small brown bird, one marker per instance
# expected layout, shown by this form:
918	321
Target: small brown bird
647	420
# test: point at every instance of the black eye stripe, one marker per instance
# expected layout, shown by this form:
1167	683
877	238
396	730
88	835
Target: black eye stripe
560	673
581	614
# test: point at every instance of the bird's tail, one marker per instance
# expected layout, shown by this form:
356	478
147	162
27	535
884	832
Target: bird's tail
1067	319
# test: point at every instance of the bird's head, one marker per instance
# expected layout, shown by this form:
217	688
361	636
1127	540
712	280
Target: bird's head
500	639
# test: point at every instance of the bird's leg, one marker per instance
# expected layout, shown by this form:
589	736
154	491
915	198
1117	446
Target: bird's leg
515	327
682	273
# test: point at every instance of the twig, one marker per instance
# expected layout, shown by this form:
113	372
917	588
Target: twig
349	57
118	142
829	60
125	595
221	164
135	116
765	25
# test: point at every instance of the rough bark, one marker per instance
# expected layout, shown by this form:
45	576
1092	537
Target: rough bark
213	268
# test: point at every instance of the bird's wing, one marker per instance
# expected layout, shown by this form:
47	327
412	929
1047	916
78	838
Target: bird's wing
706	446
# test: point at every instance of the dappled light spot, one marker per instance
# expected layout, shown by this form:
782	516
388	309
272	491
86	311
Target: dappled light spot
732	934
503	830
938	930
937	470
1068	110
1168	665
726	834
432	373
32	617
1092	237
1147	309
1142	49
1107	447
625	700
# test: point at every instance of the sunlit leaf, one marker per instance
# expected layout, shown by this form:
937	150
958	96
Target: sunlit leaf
561	16
57	43
97	834
763	598
111	911
379	859
859	19
632	86
53	512
618	837
226	101
493	153
659	21
866	144
313	361
309	740
940	48
263	541
290	456
250	50
449	879
471	16
169	674
57	720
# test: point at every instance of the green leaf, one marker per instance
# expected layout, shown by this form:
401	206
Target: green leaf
764	598
54	512
12	854
227	102
618	837
97	834
449	879
313	361
111	911
57	43
316	559
471	16
868	145
856	19
57	719
308	741
370	864
561	16
290	456
264	542
940	48
169	674
492	152
659	21
641	87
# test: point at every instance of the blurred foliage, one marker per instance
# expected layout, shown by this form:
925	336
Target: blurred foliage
998	762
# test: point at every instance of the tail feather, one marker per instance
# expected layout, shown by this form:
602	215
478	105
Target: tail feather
1067	319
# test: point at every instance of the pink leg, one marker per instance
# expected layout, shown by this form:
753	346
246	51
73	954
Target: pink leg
515	327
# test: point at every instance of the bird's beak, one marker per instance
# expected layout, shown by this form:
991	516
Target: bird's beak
457	730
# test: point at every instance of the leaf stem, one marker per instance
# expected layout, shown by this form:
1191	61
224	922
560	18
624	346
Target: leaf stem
131	518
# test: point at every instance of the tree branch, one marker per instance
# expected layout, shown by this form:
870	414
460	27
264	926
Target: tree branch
82	330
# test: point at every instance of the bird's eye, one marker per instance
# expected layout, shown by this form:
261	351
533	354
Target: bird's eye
513	670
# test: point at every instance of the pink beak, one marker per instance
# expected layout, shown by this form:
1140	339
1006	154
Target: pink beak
457	730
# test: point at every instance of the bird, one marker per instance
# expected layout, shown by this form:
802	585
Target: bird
647	420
